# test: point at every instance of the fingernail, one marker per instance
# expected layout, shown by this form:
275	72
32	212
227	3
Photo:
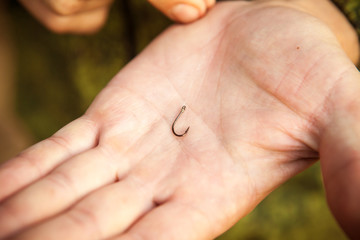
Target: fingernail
184	13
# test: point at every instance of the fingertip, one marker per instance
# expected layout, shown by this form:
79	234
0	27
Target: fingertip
184	13
210	3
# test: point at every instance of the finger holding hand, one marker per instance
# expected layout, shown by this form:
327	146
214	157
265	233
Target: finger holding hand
72	7
70	16
183	11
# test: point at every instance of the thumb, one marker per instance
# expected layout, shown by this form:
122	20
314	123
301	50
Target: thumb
340	156
183	11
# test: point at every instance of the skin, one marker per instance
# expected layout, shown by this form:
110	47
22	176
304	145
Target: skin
268	90
88	16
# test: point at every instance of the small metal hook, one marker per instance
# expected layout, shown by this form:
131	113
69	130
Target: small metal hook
173	125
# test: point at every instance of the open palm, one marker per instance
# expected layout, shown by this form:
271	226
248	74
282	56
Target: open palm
260	82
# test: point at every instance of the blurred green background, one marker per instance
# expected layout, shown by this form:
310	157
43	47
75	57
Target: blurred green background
59	75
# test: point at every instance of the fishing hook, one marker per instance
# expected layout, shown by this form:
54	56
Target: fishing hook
173	125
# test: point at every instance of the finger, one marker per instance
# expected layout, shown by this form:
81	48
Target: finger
103	214
183	11
70	7
172	220
86	22
57	191
40	159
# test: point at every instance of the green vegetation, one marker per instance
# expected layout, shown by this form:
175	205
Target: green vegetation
352	9
297	211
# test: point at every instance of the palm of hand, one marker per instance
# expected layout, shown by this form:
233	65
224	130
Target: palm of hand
254	109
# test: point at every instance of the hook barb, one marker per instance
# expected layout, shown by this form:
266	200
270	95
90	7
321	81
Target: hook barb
173	125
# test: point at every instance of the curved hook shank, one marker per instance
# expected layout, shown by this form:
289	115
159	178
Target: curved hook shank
173	125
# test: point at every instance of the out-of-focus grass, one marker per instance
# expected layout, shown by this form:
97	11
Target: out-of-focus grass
59	75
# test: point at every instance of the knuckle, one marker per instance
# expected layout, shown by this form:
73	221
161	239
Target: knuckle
59	141
61	180
86	123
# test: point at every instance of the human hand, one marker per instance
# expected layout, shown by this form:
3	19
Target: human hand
69	16
263	97
79	16
183	11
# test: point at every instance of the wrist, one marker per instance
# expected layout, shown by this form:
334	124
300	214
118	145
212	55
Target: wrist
339	151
